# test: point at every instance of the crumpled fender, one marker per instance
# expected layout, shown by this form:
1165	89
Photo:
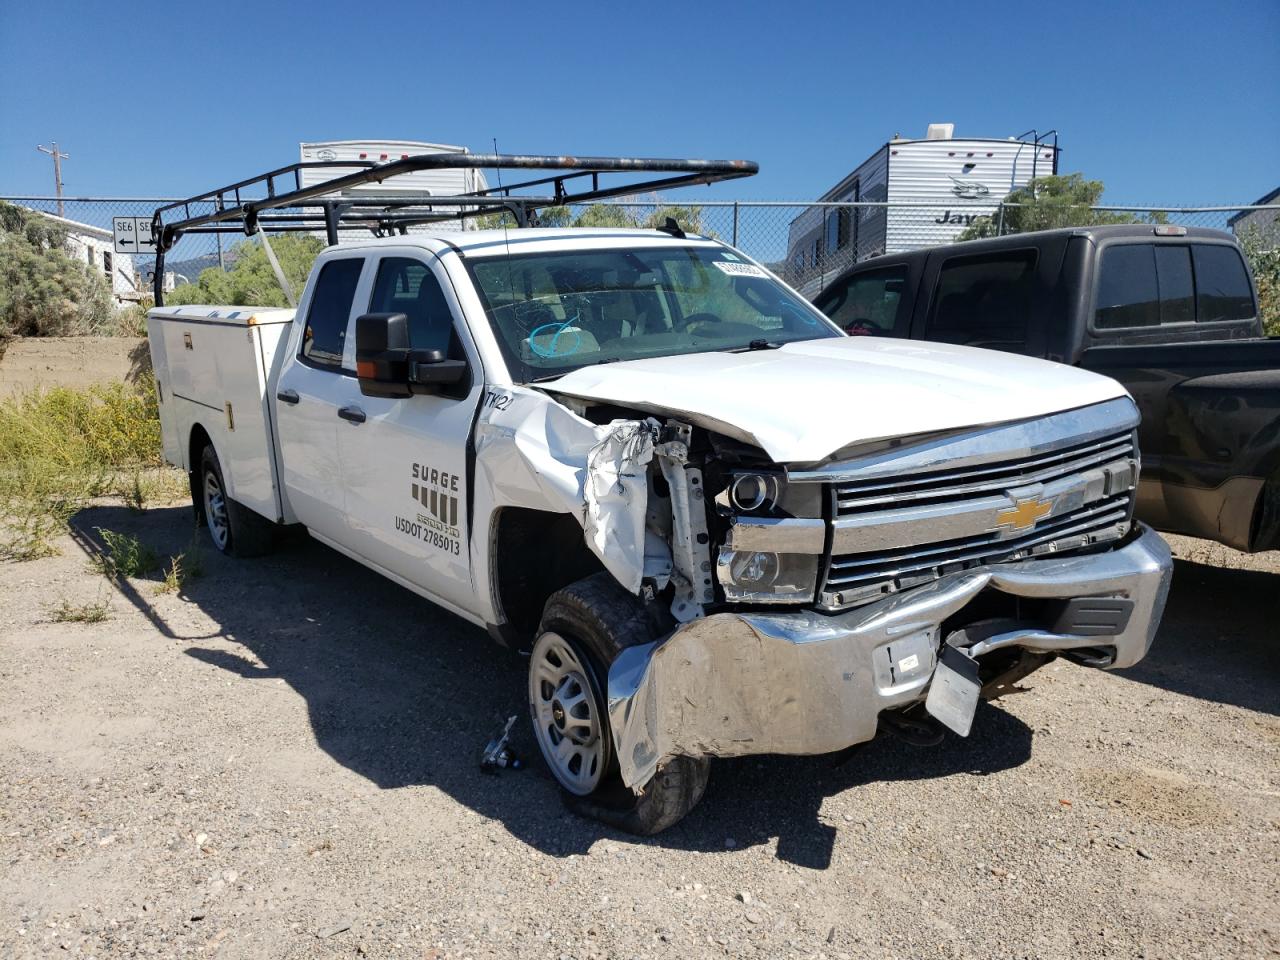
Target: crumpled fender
533	452
616	499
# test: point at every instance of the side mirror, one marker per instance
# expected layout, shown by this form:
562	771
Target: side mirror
386	366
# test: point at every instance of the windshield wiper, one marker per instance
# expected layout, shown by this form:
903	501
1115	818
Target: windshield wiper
760	344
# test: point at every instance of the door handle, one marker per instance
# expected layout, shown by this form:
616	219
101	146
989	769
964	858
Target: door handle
352	414
288	396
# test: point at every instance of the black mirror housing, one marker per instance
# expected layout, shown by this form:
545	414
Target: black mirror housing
387	366
382	347
376	332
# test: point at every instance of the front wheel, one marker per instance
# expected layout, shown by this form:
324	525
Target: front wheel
584	628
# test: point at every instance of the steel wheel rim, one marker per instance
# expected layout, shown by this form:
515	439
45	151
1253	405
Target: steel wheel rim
566	715
215	509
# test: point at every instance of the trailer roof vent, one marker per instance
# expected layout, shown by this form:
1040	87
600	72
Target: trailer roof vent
940	131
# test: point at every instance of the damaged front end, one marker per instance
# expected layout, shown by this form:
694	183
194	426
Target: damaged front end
903	573
802	601
804	682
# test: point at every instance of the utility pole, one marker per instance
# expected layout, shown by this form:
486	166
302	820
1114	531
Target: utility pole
57	170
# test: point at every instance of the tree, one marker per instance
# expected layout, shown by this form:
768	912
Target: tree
252	282
605	215
547	217
689	219
555	217
1050	202
44	291
1263	254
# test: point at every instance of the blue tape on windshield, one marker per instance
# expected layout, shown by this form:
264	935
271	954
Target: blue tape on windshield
554	349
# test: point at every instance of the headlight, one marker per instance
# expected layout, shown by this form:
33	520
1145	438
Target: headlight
753	491
764	493
753	569
758	576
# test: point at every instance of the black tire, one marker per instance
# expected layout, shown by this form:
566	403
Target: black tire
599	620
1266	535
240	532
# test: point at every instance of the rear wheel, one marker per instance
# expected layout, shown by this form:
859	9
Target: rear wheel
584	628
234	529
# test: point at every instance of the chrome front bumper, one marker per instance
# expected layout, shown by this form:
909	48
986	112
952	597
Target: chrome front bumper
800	682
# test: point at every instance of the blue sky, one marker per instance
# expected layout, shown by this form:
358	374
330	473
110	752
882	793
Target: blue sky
1171	102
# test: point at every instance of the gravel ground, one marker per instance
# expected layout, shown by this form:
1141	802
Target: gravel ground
280	761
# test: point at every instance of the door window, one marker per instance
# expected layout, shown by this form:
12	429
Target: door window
408	286
329	312
985	300
868	302
1222	286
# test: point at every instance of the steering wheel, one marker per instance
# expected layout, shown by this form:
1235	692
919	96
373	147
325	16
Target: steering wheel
695	319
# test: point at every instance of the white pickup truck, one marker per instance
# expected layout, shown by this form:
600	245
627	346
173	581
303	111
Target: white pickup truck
723	527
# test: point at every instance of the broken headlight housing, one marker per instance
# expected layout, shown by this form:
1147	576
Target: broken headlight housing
765	493
761	576
775	538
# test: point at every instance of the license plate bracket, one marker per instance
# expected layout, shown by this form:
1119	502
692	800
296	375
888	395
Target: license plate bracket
953	694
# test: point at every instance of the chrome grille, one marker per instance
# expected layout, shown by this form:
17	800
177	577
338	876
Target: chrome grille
973	482
894	516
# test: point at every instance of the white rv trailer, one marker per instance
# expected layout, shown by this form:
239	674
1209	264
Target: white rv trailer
439	183
934	188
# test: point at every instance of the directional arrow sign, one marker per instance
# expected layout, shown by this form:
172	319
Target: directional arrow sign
125	230
132	235
146	243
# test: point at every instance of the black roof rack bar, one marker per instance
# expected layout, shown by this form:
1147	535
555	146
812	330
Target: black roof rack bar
246	211
333	213
267	179
400	210
559	182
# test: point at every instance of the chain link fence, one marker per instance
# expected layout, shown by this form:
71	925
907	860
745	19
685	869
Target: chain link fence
805	243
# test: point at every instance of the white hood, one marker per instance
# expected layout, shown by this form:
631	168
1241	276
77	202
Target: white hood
804	401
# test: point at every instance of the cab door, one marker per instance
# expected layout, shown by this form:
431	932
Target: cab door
315	384
405	460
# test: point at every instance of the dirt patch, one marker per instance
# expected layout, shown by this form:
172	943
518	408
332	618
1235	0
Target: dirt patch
280	760
1156	796
33	363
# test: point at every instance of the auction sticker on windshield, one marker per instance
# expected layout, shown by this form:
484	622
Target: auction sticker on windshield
740	269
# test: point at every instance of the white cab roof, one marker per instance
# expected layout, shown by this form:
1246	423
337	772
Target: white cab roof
481	243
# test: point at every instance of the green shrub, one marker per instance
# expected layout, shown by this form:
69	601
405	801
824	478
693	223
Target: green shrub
126	555
68	612
1263	253
183	568
44	291
61	448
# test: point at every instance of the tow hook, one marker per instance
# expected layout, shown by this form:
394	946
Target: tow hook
918	730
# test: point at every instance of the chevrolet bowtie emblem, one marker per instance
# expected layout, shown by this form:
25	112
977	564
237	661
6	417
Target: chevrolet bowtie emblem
1024	514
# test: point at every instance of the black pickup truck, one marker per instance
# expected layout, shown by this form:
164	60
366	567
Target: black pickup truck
1168	311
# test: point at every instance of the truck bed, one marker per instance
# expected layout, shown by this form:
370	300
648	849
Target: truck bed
214	366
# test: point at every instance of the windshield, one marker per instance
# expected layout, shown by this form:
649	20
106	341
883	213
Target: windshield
555	312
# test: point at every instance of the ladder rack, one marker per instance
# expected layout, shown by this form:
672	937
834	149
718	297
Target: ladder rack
246	206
